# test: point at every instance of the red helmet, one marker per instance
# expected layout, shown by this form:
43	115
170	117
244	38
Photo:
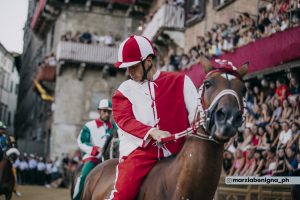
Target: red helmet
133	50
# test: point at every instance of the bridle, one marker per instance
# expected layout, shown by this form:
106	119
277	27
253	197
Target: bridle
206	113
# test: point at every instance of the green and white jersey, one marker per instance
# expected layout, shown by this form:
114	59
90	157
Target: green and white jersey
93	135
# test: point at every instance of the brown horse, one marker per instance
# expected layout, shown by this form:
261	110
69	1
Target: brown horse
7	179
195	172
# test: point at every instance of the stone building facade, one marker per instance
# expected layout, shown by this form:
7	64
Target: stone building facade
9	84
82	78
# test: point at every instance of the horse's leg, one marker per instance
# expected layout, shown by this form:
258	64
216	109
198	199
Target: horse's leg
100	180
8	196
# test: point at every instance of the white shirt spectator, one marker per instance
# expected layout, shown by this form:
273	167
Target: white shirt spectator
284	137
52	61
23	165
54	169
108	40
16	164
41	166
48	168
95	39
284	25
101	39
55	166
32	164
227	45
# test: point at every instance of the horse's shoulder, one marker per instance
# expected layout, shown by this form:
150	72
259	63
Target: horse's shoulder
111	163
161	164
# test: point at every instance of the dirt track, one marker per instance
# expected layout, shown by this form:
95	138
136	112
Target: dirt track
41	193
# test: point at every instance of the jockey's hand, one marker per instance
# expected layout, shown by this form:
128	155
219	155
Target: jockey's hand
100	150
158	134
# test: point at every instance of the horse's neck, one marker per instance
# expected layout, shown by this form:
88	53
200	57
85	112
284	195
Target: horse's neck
198	166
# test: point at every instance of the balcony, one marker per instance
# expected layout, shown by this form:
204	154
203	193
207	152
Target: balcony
46	73
168	17
265	55
44	16
86	53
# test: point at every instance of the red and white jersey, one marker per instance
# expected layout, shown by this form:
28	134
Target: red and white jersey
168	103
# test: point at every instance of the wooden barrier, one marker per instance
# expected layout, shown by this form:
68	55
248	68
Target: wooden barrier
252	192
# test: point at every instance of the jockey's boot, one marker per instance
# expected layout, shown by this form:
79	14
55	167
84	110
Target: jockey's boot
77	189
87	167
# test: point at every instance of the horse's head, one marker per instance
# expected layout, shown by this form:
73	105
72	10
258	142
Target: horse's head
222	99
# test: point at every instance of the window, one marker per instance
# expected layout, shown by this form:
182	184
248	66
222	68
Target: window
16	89
1	108
1	79
11	86
9	119
218	4
4	114
7	83
195	11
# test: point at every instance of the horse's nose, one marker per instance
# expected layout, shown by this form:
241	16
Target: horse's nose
229	116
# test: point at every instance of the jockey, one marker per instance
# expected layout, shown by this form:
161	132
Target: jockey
92	141
150	106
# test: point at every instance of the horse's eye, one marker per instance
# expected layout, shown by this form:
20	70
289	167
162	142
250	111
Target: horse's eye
207	84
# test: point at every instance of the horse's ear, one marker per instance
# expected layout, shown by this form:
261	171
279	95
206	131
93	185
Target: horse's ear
206	64
243	70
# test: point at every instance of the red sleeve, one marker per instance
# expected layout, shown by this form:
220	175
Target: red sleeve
124	117
94	151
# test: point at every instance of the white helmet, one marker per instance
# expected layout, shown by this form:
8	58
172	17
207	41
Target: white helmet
105	104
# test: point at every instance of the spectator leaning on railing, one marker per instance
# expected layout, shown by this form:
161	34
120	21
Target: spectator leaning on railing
88	38
244	29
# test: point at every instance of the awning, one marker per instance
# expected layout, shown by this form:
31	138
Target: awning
37	12
44	95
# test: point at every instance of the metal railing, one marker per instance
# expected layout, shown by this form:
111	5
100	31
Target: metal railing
167	17
87	53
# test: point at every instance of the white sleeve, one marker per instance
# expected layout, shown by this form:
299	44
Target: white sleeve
190	97
82	146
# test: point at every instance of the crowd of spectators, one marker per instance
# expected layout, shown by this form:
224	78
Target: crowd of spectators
90	38
34	170
276	16
269	142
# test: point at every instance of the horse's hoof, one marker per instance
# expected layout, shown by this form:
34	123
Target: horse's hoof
18	194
